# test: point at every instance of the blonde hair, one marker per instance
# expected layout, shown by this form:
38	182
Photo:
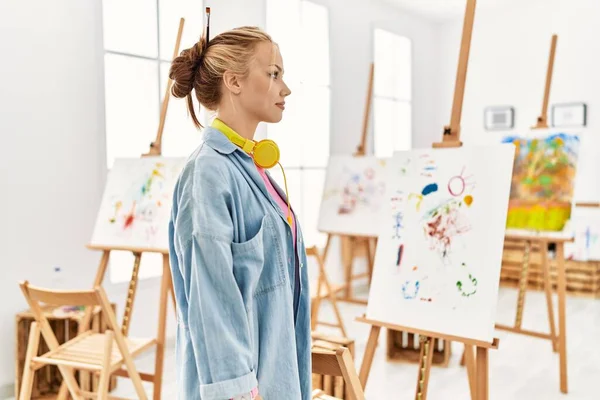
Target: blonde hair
201	67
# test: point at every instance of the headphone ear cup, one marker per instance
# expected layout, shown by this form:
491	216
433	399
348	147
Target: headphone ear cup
266	153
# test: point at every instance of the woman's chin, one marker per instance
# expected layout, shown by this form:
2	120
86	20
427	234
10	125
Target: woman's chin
273	119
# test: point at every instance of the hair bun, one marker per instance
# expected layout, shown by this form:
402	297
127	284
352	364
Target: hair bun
184	69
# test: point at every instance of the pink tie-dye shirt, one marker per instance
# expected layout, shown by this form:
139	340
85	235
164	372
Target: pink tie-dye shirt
275	195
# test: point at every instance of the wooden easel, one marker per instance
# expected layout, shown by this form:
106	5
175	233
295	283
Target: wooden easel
476	360
557	338
542	121
166	285
351	243
324	290
476	365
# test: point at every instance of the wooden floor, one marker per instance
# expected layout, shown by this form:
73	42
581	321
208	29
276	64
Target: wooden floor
523	368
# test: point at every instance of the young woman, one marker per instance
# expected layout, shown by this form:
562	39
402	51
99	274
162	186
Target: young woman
237	254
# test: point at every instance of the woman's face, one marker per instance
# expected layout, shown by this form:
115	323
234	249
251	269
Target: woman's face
263	91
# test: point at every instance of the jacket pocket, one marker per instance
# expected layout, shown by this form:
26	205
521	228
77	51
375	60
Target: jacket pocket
253	275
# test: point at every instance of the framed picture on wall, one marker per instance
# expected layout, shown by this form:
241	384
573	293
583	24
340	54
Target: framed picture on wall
499	118
569	114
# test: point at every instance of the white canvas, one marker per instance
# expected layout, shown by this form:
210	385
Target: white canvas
585	226
353	195
136	204
439	253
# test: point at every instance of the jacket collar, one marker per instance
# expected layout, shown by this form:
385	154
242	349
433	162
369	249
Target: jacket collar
218	141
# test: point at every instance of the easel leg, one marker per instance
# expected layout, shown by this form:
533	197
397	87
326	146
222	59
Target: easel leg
131	294
523	285
562	318
162	325
316	306
100	274
326	250
102	268
365	368
323	280
469	358
348	257
482	373
548	290
369	259
424	367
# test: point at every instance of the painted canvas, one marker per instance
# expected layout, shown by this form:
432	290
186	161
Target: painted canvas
439	253
543	181
352	196
585	226
136	204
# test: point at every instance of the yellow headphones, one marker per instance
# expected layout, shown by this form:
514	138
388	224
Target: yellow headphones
265	153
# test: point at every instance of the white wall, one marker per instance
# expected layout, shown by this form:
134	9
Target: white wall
509	57
52	152
351	26
52	160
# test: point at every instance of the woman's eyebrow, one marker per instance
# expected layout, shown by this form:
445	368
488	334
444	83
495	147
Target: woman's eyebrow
278	67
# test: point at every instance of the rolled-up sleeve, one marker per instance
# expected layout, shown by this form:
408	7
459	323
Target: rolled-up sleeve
217	318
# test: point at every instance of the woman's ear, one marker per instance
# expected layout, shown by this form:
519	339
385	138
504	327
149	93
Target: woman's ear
232	82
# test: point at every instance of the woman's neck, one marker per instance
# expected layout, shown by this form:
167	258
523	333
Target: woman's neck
242	126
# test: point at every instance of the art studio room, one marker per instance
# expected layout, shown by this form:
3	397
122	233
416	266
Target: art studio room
300	199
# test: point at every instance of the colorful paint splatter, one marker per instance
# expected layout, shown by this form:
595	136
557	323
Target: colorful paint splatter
144	202
443	223
543	181
585	226
463	285
137	202
409	292
443	219
360	190
353	196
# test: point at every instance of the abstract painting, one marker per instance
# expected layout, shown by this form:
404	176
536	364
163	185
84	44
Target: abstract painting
585	226
543	181
136	204
439	252
353	195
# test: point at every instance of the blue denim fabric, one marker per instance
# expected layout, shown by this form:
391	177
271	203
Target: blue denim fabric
232	260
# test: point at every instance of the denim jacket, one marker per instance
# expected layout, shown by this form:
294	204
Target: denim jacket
232	261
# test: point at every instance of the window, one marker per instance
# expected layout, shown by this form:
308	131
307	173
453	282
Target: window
136	62
392	93
301	28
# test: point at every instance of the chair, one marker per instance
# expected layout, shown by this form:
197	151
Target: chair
323	289
336	363
101	353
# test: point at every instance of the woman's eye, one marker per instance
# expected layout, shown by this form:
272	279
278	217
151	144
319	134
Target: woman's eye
274	74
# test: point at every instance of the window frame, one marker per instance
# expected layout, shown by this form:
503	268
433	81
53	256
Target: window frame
410	101
120	272
301	169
